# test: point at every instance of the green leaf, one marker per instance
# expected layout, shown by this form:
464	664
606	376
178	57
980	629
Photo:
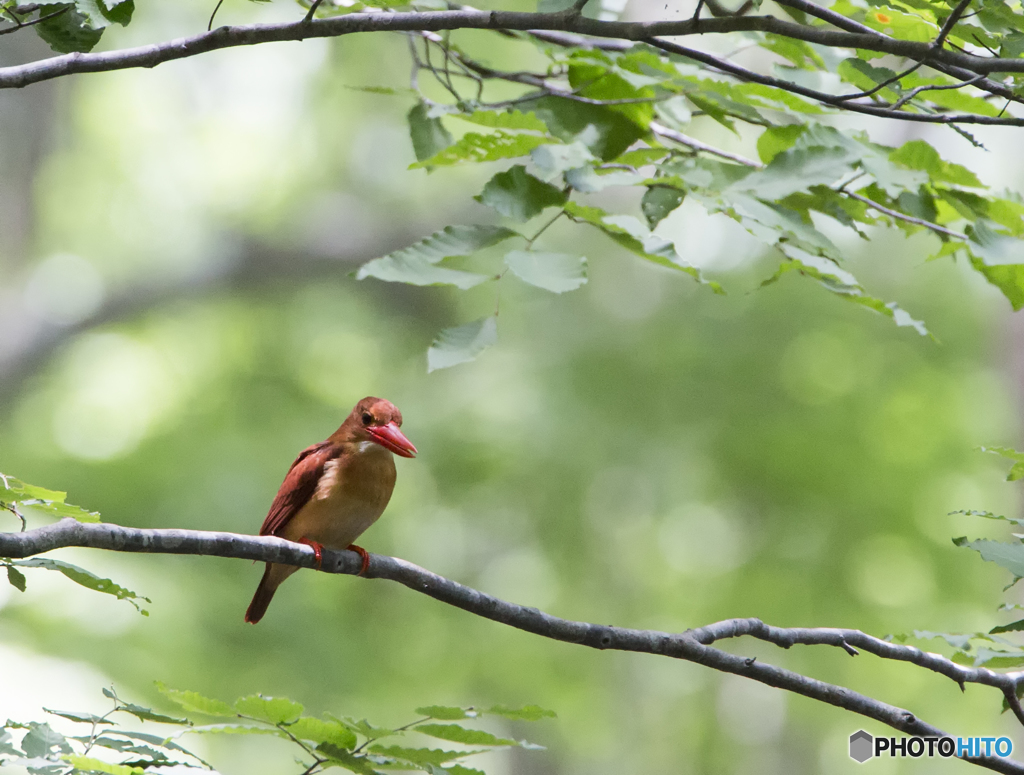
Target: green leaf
429	137
233	729
1016	472
193	702
321	731
415	264
919	155
102	14
88	764
525	713
273	710
1009	556
629	233
16	578
446	712
81	718
658	202
145	714
50	502
555	272
605	132
987	514
40	741
364	727
462	343
473	147
511	119
556	159
348	760
419	755
86	579
796	170
456	734
69	31
519	195
1016	626
776	139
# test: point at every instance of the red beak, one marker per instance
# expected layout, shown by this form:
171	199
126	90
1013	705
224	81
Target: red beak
391	438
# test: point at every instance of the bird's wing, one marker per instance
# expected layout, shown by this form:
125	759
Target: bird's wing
298	486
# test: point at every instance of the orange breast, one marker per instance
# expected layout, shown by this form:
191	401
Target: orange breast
350	496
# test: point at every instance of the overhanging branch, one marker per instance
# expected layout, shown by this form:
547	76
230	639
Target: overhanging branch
691	646
851	35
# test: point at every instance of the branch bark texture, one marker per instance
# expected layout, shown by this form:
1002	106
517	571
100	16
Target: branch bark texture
692	645
850	35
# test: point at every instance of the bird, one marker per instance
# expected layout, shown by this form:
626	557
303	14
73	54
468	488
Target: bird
335	490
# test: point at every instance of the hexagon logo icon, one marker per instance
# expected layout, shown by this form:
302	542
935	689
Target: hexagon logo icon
861	746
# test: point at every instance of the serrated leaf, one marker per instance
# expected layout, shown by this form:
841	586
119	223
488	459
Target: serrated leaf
658	202
457	734
474	147
50	502
82	718
321	731
414	265
445	712
429	137
193	702
517	194
525	713
419	755
88	764
145	714
86	579
462	344
555	272
343	758
987	514
1009	556
273	710
16	578
1016	472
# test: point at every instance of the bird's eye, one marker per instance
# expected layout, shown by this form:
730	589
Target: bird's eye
367	418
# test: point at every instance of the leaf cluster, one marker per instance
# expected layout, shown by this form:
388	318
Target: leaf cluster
20	498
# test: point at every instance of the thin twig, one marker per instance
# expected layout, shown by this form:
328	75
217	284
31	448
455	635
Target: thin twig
312	10
22	24
903	217
910	95
697	145
214	14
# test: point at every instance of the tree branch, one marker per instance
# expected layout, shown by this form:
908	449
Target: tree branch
691	646
18	76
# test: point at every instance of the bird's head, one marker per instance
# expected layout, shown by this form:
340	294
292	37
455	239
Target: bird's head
378	421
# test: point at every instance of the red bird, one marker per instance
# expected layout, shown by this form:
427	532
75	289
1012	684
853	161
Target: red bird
335	490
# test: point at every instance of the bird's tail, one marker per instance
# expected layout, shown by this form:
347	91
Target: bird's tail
261	600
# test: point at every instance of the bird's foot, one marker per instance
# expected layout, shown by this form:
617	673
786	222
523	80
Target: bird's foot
318	551
364	554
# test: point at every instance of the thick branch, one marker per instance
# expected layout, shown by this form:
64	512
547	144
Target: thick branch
691	646
226	37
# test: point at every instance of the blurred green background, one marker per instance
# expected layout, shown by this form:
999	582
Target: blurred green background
177	321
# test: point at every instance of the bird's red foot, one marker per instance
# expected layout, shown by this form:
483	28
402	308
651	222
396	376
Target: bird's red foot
318	551
364	554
